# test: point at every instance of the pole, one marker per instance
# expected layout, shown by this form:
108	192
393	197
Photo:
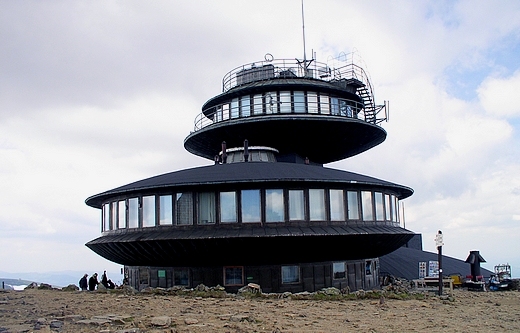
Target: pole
439	259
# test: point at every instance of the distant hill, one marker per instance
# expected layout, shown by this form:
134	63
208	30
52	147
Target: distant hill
8	283
58	279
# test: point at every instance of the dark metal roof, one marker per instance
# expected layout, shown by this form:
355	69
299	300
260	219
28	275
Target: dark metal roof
321	138
247	246
283	84
248	173
404	263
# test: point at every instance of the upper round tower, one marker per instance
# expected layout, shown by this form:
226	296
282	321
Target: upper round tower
303	110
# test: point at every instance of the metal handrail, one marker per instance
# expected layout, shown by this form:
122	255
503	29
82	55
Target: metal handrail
342	67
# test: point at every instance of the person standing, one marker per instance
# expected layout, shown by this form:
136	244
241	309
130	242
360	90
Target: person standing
93	282
104	280
83	282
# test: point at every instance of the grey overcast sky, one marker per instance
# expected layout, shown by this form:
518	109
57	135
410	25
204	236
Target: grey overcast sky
98	94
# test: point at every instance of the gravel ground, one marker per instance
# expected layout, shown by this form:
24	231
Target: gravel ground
64	311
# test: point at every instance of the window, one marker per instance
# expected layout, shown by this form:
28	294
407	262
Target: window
290	274
353	205
274	211
271	102
207	208
337	210
233	276
285	102
149	211
121	217
396	210
317	205
339	270
312	102
250	205
113	219
366	205
228	207
334	106
368	267
165	210
299	102
296	205
218	113
184	208
380	211
133	212
106	217
388	217
245	106
181	277
324	104
225	111
234	108
257	104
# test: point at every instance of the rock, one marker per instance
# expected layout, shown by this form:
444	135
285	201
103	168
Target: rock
32	285
94	321
56	324
218	287
286	294
161	321
251	288
201	287
70	287
45	286
128	290
241	317
330	291
129	330
190	321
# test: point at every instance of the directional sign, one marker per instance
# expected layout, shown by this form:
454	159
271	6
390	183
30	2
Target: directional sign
438	239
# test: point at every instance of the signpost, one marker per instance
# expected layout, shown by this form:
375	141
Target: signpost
439	243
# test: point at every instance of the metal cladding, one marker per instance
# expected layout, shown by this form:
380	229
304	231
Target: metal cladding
248	246
322	139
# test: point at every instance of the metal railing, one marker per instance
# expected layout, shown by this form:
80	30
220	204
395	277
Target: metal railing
343	67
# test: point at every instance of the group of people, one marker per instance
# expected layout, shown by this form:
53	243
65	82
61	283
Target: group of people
93	282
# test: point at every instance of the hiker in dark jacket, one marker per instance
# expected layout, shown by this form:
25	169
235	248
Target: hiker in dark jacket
92	282
83	282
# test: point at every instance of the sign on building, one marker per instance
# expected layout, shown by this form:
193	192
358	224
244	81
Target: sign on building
433	268
422	269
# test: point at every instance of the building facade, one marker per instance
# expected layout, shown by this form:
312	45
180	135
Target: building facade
266	210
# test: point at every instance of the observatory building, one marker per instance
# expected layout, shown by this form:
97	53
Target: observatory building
265	210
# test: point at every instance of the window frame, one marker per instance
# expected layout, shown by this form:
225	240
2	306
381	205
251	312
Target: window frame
224	277
291	281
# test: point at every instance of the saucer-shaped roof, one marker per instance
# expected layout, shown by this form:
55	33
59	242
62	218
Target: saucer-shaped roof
251	175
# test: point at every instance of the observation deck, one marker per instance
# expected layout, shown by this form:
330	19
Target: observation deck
294	107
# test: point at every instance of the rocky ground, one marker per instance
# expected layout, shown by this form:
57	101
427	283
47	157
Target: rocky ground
124	311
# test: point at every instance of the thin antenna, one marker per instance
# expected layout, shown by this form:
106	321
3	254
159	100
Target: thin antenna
303	29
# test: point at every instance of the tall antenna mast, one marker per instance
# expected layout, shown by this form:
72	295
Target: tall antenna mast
304	63
303	29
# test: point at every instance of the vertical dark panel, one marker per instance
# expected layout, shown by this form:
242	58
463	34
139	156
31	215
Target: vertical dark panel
351	270
319	277
307	272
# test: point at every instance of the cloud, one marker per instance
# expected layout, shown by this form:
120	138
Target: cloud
97	95
500	97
